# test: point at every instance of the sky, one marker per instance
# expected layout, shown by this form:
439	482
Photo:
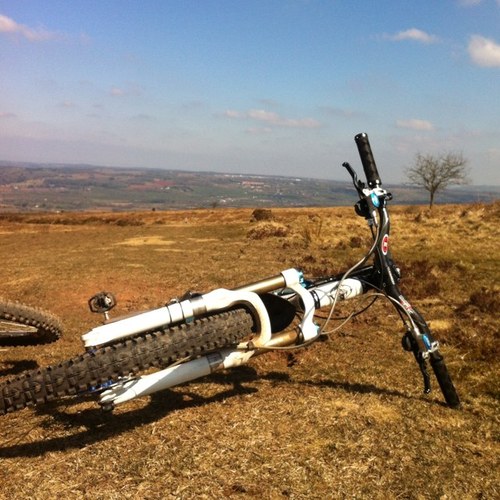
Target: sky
276	87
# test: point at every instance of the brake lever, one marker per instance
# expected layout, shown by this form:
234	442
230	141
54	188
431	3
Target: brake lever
358	184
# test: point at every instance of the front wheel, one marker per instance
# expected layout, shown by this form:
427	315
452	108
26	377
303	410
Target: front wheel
97	369
25	325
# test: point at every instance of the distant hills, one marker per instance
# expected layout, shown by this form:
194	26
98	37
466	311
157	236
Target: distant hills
49	187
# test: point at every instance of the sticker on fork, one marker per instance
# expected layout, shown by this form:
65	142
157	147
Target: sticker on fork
385	244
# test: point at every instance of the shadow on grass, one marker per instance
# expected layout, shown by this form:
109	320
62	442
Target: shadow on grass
99	425
14	367
356	388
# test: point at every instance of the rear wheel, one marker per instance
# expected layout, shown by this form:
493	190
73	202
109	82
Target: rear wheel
98	369
25	325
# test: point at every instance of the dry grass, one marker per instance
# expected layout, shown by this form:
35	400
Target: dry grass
344	418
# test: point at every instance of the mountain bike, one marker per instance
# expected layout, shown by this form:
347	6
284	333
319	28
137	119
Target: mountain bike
22	325
197	334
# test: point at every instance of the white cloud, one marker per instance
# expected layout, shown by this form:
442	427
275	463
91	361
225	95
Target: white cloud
116	91
130	89
272	118
413	34
415	124
339	112
9	26
264	116
231	113
484	52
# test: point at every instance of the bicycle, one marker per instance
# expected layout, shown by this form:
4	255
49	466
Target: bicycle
197	334
23	325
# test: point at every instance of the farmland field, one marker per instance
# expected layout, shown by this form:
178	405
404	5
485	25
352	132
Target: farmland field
342	418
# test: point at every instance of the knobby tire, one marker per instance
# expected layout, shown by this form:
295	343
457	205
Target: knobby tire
46	327
445	383
96	369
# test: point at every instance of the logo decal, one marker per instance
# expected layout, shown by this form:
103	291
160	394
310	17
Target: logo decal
385	244
375	200
405	304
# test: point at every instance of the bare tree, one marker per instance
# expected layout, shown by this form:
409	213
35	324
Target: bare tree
436	173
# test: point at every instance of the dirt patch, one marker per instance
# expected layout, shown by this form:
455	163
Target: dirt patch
487	300
146	241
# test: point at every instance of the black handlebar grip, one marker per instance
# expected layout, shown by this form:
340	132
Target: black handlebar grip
369	166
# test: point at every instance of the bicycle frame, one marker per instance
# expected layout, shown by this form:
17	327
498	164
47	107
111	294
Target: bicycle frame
383	276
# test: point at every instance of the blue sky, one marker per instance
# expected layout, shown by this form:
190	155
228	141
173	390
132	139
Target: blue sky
254	86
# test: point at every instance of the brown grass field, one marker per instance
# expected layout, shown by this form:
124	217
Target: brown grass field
344	418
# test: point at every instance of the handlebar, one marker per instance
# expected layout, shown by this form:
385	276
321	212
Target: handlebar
366	155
